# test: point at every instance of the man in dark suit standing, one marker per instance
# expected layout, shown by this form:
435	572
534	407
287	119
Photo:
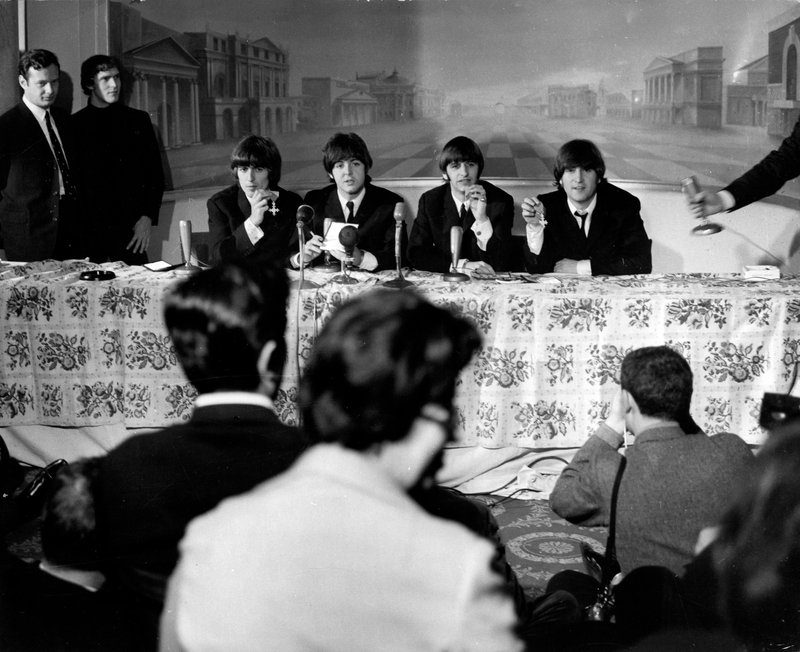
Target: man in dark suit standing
38	212
485	213
587	226
353	199
119	165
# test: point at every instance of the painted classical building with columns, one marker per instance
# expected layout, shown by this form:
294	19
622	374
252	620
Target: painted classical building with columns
783	100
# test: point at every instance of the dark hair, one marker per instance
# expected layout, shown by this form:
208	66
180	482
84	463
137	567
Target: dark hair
459	150
221	318
660	380
344	147
377	362
38	60
756	555
93	65
579	154
258	152
69	525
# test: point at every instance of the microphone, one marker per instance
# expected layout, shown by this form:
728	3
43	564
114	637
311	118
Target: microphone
186	246
691	188
304	215
348	238
456	235
399	220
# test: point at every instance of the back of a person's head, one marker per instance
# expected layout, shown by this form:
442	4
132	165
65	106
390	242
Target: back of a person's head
757	553
69	523
221	318
660	380
378	360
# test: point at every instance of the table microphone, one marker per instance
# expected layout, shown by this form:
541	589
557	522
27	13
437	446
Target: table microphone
348	238
186	247
691	188
456	235
304	216
399	220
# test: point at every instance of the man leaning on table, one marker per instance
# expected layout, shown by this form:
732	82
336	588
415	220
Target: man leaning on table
38	194
481	209
587	226
352	199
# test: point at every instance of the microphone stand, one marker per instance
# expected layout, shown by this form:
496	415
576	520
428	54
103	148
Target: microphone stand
185	227
330	266
302	283
453	276
344	278
398	283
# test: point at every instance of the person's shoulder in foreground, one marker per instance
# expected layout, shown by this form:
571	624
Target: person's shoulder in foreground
352	562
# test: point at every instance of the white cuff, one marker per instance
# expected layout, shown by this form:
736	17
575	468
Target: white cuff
534	234
253	232
585	267
483	232
368	263
727	199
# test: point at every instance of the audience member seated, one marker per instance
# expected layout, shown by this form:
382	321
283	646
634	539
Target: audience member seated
353	199
254	217
349	561
587	226
485	213
677	480
227	324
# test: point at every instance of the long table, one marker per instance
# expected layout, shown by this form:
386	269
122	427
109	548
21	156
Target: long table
83	353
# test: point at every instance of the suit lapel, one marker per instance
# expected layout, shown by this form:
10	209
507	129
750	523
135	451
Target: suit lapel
367	207
333	209
451	216
598	220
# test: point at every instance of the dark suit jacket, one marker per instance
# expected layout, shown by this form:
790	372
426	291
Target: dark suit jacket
227	211
119	166
375	220
617	242
767	177
152	485
29	193
429	243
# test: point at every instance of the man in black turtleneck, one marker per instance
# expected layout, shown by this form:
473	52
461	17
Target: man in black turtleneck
119	164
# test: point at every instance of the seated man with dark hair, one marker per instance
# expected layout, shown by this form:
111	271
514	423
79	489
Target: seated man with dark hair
674	483
587	226
352	199
227	324
254	216
350	561
481	209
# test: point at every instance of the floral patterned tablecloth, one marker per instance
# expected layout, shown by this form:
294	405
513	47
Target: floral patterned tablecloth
94	353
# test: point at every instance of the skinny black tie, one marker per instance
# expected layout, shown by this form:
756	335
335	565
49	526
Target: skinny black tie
349	212
583	215
69	189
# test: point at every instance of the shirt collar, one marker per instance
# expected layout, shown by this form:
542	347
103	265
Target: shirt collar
589	209
356	202
38	112
231	398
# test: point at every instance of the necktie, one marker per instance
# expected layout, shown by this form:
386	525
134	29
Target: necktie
69	189
349	217
583	215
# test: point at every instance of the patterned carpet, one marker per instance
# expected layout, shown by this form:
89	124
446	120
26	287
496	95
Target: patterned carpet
539	544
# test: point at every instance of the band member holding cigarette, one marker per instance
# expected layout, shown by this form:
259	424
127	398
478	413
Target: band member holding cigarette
352	199
587	226
482	210
254	216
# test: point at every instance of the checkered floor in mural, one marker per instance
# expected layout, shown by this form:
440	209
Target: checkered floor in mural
514	145
538	543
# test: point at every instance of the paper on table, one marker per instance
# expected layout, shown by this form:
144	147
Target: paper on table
331	241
